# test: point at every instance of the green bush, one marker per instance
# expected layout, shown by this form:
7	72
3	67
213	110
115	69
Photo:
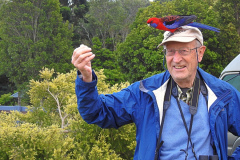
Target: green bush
28	141
6	100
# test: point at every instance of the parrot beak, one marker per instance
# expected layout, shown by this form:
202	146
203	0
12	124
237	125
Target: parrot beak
148	24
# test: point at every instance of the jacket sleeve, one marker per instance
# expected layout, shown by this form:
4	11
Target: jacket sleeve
107	111
233	115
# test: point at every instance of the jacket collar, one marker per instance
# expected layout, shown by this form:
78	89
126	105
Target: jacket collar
154	82
157	83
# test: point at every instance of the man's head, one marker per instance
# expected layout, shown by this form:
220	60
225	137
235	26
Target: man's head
184	50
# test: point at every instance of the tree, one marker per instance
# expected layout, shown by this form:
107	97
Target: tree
106	59
230	30
5	85
64	2
66	12
28	141
83	141
6	99
53	95
101	19
231	12
110	20
79	8
33	35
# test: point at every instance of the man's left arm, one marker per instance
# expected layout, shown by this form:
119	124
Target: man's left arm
234	113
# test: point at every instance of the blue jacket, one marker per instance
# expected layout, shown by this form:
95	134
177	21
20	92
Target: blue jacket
141	103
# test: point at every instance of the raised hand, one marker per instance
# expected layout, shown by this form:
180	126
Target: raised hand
81	59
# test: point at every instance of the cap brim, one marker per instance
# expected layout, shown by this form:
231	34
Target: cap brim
177	39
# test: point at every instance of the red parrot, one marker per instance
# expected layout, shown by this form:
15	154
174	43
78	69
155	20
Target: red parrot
172	23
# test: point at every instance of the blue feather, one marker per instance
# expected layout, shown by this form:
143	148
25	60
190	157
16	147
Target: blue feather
153	25
200	25
176	24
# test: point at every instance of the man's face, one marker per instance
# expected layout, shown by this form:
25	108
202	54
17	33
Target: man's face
183	67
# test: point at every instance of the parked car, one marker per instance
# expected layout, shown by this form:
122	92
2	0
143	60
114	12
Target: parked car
231	74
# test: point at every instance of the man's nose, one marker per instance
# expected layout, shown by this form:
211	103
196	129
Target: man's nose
177	56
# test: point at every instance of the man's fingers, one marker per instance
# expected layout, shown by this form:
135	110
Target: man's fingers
82	57
81	53
84	60
81	50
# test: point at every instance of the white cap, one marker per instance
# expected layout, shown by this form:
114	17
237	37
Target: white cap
183	34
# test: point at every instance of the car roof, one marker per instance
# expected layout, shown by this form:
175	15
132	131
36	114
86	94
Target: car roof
233	66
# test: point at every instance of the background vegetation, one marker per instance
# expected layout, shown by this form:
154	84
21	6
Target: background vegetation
37	38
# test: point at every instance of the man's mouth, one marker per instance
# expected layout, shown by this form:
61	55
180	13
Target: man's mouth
179	67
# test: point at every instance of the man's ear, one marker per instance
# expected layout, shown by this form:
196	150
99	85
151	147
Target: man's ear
201	51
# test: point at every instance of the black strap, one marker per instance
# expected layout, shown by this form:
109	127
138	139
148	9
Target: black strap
203	89
166	105
172	90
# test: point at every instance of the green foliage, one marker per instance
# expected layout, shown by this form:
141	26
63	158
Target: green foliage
122	140
102	16
52	96
101	150
5	85
66	13
106	59
6	99
39	133
28	141
33	35
79	8
108	20
230	31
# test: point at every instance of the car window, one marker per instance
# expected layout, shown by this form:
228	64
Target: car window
233	79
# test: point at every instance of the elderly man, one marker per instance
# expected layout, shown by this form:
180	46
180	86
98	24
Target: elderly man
183	113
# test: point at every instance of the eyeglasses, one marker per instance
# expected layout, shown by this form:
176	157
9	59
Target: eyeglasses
182	51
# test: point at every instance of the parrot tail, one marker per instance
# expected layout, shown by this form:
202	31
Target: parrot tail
200	25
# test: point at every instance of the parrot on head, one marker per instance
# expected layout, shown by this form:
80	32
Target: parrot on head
172	23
